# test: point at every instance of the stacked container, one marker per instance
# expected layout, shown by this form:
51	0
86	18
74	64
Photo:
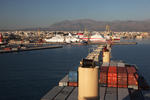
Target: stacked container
73	78
64	81
103	76
122	77
112	76
132	81
136	76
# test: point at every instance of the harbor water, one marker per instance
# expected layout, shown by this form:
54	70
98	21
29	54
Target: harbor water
135	54
30	75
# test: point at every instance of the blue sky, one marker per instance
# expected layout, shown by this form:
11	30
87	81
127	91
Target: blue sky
43	13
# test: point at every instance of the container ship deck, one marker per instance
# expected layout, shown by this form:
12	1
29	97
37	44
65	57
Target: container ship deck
116	81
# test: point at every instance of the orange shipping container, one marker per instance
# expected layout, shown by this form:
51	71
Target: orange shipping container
122	70
131	69
132	80
112	85
122	82
112	82
136	76
73	84
103	69
103	77
112	69
112	76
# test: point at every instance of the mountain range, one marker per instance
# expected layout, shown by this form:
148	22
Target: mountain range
80	25
94	25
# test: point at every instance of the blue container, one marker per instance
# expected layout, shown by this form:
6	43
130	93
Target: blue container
73	76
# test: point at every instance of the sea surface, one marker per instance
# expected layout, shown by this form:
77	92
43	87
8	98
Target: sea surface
30	75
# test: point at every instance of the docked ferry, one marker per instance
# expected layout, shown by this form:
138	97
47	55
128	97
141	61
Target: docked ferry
94	38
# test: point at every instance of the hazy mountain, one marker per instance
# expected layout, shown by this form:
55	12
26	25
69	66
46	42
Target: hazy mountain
130	25
81	24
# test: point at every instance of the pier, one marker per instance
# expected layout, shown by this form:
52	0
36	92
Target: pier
114	43
78	43
30	49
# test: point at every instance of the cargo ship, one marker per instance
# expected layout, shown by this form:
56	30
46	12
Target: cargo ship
101	79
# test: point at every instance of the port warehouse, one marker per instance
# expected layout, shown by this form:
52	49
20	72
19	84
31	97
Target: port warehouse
117	81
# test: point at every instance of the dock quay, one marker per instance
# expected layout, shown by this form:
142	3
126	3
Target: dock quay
109	90
114	43
78	43
29	49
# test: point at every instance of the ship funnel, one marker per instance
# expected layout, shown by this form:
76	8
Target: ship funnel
106	56
88	75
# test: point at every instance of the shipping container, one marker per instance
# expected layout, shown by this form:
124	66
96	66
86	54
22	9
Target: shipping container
113	63
112	77
132	77
132	81
135	87
121	70
122	77
136	76
75	84
73	76
112	81
64	81
131	69
112	69
105	64
121	64
122	82
103	77
103	69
